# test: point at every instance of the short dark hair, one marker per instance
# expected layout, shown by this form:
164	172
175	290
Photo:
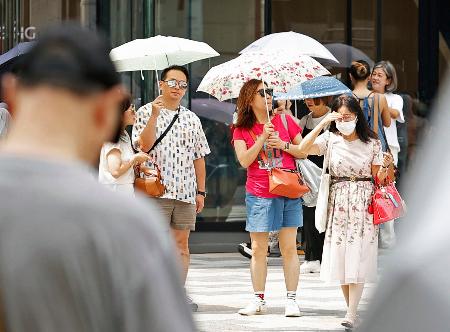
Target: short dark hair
362	127
70	57
175	67
125	103
325	100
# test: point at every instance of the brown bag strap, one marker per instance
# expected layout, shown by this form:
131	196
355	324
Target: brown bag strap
375	114
261	153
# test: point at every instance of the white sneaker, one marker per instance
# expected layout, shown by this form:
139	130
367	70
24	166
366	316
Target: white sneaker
292	309
314	266
254	308
304	268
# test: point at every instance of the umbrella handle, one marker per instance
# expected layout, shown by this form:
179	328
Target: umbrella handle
265	97
157	78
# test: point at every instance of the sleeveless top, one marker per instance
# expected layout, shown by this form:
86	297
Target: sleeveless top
368	112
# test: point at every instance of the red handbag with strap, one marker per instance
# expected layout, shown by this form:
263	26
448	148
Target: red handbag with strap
386	203
283	182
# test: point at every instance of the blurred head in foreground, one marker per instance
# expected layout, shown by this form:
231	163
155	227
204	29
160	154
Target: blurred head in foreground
65	93
75	256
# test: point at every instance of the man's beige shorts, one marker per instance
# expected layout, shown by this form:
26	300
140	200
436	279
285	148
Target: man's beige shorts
181	215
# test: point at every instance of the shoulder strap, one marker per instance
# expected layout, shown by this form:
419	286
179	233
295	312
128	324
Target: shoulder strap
365	105
327	159
356	97
285	124
382	129
376	111
160	138
261	153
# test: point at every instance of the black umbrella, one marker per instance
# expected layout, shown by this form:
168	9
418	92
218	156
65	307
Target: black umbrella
345	54
8	59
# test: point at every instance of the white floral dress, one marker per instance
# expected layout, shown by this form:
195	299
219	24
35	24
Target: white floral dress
351	238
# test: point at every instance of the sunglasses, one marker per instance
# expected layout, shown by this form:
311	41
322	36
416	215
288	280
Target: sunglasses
346	118
173	83
269	92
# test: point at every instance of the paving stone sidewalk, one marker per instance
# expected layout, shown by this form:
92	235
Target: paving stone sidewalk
221	285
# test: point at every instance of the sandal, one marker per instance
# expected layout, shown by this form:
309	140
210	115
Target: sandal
350	321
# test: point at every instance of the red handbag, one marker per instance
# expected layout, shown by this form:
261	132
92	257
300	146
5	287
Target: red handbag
386	203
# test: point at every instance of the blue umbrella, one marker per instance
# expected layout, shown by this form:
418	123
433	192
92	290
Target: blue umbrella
7	59
320	86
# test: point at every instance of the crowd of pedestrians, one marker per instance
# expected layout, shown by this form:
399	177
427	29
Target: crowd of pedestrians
111	252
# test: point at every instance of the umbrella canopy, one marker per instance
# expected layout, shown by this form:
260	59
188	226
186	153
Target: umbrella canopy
290	41
8	59
280	70
321	86
346	54
159	52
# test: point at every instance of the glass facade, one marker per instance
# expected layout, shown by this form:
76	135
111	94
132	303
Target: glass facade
20	20
381	29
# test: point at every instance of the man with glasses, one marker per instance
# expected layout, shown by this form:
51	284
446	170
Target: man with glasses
179	155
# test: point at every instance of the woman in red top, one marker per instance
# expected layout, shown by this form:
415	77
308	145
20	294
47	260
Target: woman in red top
267	212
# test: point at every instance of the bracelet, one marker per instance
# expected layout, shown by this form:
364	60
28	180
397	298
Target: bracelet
286	146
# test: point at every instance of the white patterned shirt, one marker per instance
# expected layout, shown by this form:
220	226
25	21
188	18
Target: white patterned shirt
175	154
5	119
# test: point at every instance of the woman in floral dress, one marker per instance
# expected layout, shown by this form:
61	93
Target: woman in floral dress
351	238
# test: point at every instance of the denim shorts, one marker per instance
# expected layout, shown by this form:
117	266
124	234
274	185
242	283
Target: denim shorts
271	214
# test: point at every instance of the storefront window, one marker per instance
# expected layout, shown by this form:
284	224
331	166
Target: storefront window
399	32
126	21
321	20
21	20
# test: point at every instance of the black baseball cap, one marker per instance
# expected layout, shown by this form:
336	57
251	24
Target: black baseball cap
70	57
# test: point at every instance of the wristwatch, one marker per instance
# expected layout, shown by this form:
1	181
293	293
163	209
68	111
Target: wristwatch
203	193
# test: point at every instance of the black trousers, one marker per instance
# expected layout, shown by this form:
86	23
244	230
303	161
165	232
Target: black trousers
314	240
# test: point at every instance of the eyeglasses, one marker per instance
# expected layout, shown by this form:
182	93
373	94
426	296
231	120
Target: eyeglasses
173	83
268	92
346	118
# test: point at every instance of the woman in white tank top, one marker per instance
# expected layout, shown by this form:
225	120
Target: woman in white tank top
117	160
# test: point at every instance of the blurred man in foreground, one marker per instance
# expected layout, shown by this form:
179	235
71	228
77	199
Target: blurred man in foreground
75	256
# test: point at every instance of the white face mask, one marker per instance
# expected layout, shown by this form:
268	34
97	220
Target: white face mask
346	128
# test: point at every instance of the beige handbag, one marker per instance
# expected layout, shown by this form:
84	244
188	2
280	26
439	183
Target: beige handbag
321	213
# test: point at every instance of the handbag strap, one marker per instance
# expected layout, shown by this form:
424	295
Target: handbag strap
285	124
160	138
261	153
327	160
376	117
